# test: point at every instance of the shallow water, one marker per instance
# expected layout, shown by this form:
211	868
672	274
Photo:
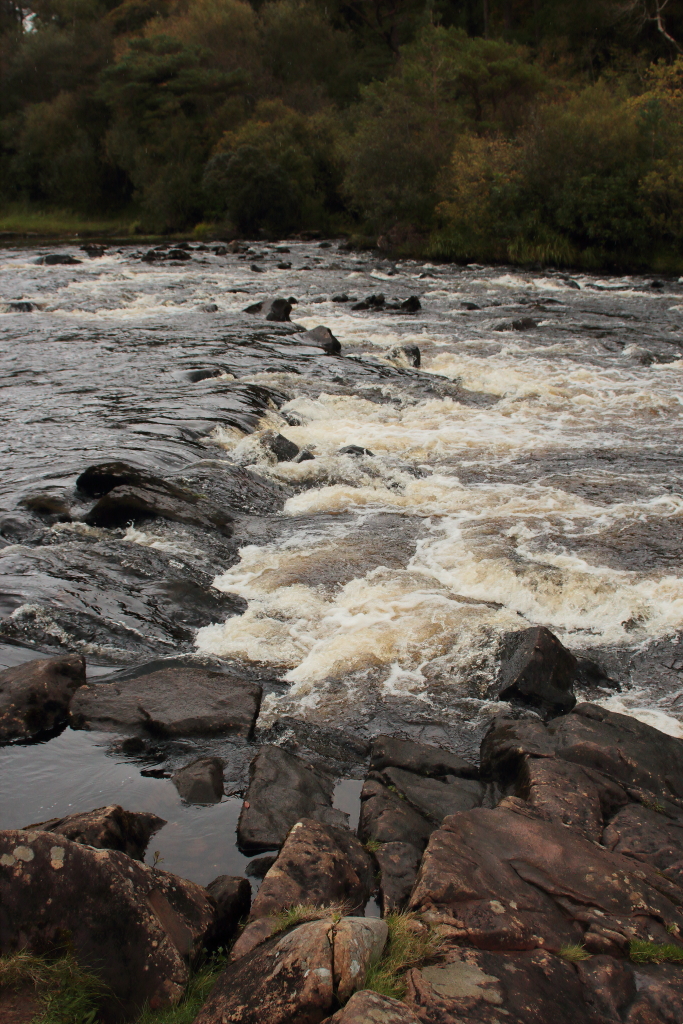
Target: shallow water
370	593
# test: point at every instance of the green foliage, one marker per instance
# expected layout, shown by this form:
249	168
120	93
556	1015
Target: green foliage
69	995
290	917
409	944
373	845
653	953
574	953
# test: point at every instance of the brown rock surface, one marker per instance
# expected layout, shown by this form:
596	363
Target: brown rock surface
647	835
367	1007
537	670
421	758
232	899
201	781
35	696
107	828
358	943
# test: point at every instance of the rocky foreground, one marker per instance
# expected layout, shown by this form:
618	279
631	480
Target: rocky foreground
529	880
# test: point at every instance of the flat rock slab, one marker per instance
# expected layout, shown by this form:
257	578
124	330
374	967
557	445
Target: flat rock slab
434	799
135	927
35	696
507	879
106	828
287	979
421	758
367	1007
283	789
648	835
173	700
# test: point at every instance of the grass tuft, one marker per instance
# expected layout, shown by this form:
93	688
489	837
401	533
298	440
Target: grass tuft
406	947
69	994
373	845
642	952
303	912
574	953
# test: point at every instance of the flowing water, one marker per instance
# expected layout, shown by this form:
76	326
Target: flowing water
521	476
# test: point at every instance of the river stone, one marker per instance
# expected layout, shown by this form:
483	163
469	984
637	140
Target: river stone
287	979
358	944
322	337
173	700
407	354
125	504
508	879
35	696
278	445
537	670
283	790
434	799
232	899
392	752
367	1007
135	927
106	828
201	781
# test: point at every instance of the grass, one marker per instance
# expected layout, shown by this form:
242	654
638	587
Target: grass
69	994
653	953
373	845
653	805
21	220
574	953
303	912
199	986
405	948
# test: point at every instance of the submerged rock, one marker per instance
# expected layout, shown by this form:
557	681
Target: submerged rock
537	670
283	790
35	696
407	354
106	828
54	259
276	310
200	782
278	445
323	338
354	450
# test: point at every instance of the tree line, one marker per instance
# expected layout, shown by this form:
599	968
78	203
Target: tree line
522	130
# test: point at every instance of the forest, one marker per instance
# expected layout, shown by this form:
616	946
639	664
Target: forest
525	131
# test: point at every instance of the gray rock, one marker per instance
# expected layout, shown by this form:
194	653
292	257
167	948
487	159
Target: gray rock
35	696
537	670
232	899
322	337
200	782
421	758
106	828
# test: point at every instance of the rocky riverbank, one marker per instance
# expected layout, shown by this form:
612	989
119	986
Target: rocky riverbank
543	883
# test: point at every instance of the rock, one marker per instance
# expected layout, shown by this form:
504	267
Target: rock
525	323
172	699
135	927
434	799
393	752
367	1007
285	980
106	828
232	899
35	696
255	267
399	864
358	943
304	456
563	792
411	305
648	835
354	450
53	259
178	254
537	670
201	782
469	305
276	310
284	265
94	249
370	302
20	1006
210	307
150	256
656	284
322	337
283	449
340	298
508	879
21	307
282	790
407	354
259	866
220	250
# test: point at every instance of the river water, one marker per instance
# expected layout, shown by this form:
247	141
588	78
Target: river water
520	476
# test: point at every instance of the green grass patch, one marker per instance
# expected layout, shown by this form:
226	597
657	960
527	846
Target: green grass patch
654	953
69	994
290	917
407	947
373	845
22	220
574	953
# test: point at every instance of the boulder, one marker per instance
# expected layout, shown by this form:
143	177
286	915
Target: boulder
368	1007
283	449
136	927
167	700
564	792
509	879
275	310
283	790
370	302
407	354
525	323
358	943
432	798
232	899
537	670
322	337
421	758
201	781
354	450
106	828
287	979
35	696
411	305
53	259
21	307
399	864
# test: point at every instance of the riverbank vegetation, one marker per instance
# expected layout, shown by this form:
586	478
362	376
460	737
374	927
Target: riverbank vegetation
527	131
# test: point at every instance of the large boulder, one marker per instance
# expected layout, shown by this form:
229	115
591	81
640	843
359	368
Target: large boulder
172	699
323	338
35	696
537	670
135	927
650	836
283	790
106	828
358	943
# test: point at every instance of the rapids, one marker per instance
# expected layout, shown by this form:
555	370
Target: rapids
520	476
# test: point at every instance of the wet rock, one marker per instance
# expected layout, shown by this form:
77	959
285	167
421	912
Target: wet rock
259	866
279	446
322	337
367	1007
276	310
474	987
537	670
232	899
178	254
21	307
283	790
648	835
200	782
35	696
408	354
53	259
411	305
210	307
469	305
126	504
94	249
106	828
525	323
256	269
421	758
358	944
220	250
136	927
370	302
304	456
432	798
564	792
509	879
169	699
287	979
354	450
284	266
343	297
399	864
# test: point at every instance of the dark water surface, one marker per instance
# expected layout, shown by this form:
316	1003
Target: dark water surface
521	476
